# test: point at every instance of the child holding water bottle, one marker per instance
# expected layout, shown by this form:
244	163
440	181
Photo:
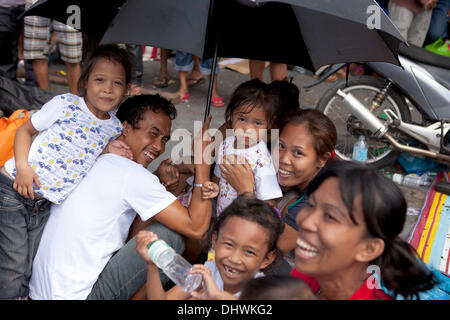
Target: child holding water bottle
244	238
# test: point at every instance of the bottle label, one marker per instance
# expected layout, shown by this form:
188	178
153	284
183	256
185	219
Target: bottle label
359	154
397	178
155	248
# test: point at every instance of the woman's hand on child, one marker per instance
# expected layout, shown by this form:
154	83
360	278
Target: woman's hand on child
23	183
143	238
210	190
238	173
119	148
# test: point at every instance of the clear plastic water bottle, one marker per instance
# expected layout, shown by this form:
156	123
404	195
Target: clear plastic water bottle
416	180
173	265
360	149
395	177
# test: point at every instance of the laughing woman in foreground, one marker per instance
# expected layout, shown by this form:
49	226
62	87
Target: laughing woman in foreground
350	227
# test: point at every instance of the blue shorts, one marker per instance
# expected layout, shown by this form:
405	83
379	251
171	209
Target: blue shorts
184	62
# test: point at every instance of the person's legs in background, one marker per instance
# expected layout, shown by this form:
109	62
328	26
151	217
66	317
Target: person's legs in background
184	64
419	27
162	81
135	51
70	45
439	22
256	69
10	31
40	68
196	76
35	46
278	71
401	16
205	69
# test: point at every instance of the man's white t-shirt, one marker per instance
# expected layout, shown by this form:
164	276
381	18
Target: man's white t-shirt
92	223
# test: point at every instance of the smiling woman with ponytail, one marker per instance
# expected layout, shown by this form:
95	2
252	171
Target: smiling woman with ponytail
352	222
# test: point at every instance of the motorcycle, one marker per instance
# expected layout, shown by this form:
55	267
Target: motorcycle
379	108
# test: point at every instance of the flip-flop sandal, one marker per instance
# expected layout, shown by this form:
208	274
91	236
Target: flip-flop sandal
217	102
183	99
162	82
195	81
332	78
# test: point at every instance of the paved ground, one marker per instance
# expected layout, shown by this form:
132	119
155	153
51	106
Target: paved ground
193	110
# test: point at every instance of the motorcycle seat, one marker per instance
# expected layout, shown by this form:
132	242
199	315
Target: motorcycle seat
424	56
440	75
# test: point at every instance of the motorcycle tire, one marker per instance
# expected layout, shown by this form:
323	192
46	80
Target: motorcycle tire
364	88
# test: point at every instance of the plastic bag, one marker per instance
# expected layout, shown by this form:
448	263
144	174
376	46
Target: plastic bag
14	96
8	128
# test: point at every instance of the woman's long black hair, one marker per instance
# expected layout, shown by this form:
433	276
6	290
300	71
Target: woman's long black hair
384	209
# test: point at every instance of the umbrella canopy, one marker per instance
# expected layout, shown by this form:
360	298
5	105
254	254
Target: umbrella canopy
95	15
306	33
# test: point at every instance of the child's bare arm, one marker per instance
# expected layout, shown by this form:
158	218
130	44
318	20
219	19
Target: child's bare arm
154	289
25	176
119	148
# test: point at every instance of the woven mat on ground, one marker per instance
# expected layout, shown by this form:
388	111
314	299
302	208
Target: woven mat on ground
430	235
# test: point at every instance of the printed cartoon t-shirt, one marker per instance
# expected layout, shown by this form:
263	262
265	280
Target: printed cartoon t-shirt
260	160
70	139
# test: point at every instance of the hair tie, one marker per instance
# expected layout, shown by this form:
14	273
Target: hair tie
278	212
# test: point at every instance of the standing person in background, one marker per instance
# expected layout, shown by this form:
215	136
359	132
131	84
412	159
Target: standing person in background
10	30
412	18
184	63
37	35
162	81
135	52
277	70
439	22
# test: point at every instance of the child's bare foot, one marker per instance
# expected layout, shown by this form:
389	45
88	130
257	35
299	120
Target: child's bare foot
182	96
134	90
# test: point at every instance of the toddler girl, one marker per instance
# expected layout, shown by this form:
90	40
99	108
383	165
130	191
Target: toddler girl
252	110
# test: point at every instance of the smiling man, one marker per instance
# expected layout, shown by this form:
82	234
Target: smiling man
92	224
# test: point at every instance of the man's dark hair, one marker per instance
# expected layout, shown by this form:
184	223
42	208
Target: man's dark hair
132	109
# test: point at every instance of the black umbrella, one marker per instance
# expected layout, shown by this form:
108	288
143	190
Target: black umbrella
95	16
306	33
